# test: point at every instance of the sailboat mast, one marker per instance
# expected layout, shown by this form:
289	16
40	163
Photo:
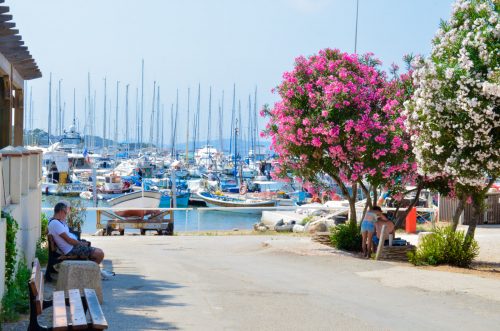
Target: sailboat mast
50	108
197	120
209	117
137	119
239	122
74	107
152	122
89	116
104	121
187	128
158	118
172	130
126	114
175	120
221	123
233	111
141	125
249	128
256	122
162	125
116	112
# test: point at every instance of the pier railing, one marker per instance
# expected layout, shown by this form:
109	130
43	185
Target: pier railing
194	218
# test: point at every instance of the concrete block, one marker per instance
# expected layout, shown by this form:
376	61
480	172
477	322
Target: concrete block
79	275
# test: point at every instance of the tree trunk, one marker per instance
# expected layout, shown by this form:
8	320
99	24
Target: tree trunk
352	209
375	196
407	211
478	212
458	212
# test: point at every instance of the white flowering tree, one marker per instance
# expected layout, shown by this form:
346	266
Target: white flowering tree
454	115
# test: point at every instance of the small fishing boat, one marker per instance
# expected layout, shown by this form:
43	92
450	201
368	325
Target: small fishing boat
182	199
216	200
137	200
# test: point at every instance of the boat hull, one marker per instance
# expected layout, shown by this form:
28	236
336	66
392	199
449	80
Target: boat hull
253	206
137	200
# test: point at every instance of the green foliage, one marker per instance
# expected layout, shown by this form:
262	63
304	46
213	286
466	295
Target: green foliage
44	221
10	246
346	237
77	214
16	297
42	252
306	220
42	248
445	246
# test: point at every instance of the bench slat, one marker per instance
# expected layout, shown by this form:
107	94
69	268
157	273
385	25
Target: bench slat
77	313
35	277
59	320
39	296
96	314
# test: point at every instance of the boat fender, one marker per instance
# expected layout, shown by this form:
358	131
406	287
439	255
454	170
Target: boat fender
243	189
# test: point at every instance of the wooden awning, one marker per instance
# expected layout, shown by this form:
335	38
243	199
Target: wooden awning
13	49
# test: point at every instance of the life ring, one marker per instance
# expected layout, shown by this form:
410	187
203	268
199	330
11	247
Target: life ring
243	189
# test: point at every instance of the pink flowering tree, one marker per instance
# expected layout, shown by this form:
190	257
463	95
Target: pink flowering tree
339	120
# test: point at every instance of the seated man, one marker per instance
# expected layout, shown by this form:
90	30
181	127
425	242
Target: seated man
67	242
381	221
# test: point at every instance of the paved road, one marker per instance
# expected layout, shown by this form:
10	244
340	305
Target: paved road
281	283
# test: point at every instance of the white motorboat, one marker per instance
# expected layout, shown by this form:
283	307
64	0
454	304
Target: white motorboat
137	200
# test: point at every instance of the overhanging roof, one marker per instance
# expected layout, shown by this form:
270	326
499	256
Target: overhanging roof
13	49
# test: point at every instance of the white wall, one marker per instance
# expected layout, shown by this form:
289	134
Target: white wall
25	172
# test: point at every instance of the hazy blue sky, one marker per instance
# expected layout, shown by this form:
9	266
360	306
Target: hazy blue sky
216	43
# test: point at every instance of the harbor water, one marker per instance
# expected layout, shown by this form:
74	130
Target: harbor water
206	220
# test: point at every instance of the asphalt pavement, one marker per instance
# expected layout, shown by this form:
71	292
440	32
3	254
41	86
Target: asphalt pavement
281	283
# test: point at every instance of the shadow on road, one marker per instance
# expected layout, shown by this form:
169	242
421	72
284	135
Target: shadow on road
132	302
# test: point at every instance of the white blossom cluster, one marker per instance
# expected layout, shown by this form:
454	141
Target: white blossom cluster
454	114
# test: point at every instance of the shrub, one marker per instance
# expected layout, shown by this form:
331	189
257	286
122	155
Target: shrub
346	237
16	297
10	246
42	250
44	221
306	220
445	246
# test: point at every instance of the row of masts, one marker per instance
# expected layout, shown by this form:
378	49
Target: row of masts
157	138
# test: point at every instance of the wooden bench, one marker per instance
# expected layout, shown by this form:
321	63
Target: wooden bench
78	307
56	257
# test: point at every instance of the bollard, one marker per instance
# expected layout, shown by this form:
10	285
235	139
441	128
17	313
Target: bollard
411	221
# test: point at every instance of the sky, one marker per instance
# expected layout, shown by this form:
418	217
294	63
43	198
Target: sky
214	43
